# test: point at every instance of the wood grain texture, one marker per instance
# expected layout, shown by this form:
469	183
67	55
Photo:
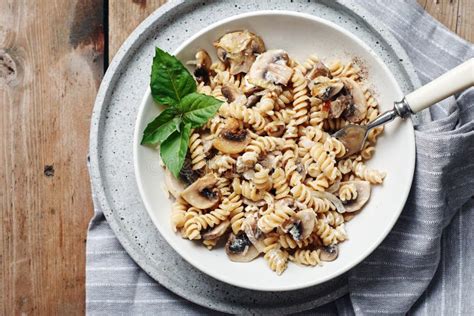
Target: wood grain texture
457	15
51	64
124	17
465	23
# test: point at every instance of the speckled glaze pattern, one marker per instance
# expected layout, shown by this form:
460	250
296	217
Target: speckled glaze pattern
114	116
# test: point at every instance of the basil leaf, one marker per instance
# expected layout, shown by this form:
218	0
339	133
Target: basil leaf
170	80
198	108
173	150
161	127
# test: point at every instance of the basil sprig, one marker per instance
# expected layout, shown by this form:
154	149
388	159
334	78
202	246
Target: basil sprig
174	87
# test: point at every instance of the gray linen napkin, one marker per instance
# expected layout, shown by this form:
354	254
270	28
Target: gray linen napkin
422	267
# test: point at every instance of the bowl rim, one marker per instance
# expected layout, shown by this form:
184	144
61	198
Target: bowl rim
194	261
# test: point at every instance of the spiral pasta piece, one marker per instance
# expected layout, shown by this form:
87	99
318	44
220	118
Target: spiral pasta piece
277	260
335	146
347	192
291	131
285	116
273	220
247	115
326	233
306	257
302	194
287	242
345	166
340	233
325	161
334	124
321	183
365	173
250	191
178	211
262	179
333	218
350	70
367	152
198	159
283	99
210	243
224	187
310	62
200	222
215	125
266	104
279	183
221	163
261	145
237	217
189	216
300	102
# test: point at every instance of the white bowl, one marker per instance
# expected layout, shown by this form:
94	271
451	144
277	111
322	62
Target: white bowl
300	35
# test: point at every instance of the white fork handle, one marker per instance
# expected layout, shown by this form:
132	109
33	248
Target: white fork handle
455	80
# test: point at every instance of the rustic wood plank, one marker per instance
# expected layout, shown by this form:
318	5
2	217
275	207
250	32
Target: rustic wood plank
445	11
124	16
422	3
465	24
457	15
51	63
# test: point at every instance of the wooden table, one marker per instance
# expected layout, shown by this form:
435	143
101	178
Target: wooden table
53	54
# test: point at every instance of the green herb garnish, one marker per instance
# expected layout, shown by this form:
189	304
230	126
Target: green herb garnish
173	86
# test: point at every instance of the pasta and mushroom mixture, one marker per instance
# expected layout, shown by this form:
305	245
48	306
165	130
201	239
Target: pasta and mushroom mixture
264	176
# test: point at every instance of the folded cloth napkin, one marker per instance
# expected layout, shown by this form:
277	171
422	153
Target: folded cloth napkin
423	266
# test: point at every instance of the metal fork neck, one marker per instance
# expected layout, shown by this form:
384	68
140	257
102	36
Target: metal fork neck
401	109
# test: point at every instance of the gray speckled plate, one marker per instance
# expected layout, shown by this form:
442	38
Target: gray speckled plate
112	128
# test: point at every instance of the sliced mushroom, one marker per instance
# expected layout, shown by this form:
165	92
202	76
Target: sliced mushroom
307	219
217	231
270	69
252	100
324	88
301	225
187	174
333	188
357	110
238	50
231	93
363	195
253	233
202	194
338	106
173	185
203	66
319	69
240	249
329	253
232	139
